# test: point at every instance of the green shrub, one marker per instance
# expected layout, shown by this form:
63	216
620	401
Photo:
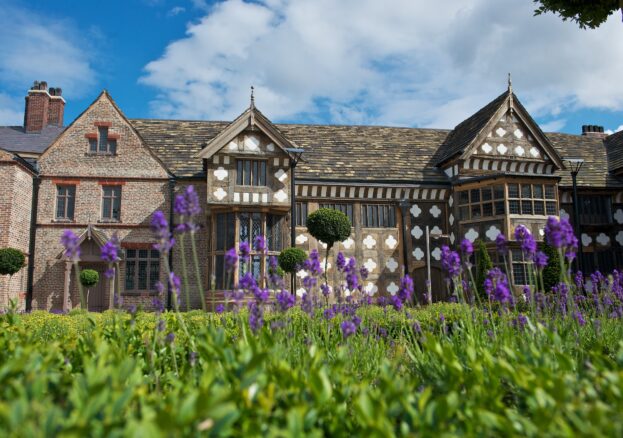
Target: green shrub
328	226
89	278
11	261
483	265
551	273
291	258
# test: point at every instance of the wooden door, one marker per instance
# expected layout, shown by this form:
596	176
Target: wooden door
97	299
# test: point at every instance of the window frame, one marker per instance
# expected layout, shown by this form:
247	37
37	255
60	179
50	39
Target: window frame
219	279
102	138
251	172
152	259
385	220
112	198
302	211
68	198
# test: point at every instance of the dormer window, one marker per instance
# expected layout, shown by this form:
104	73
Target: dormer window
102	142
251	173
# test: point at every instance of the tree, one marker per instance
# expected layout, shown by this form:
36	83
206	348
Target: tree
11	261
483	266
586	13
328	226
88	279
291	258
551	273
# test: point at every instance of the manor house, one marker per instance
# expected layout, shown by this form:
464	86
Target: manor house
406	191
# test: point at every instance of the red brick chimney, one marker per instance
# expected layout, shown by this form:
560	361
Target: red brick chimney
593	131
43	107
56	110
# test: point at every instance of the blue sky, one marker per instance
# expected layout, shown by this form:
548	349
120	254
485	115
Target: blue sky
397	62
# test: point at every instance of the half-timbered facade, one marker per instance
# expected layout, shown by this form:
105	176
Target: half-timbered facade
406	191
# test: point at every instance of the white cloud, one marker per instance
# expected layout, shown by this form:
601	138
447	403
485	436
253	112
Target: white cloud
612	131
36	47
553	126
11	113
401	62
176	10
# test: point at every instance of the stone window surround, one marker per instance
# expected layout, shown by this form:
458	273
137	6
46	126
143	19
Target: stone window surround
94	138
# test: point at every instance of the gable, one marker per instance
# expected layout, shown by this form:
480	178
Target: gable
103	123
250	120
509	138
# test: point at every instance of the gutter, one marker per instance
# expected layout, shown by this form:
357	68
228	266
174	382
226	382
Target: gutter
171	203
36	182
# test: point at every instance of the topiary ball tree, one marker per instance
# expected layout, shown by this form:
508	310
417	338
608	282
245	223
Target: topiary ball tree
11	261
89	278
291	258
483	265
329	226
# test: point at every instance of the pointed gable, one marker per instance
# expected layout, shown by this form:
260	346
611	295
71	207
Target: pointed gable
504	130
102	142
236	135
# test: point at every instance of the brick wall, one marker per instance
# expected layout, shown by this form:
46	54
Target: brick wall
15	208
144	189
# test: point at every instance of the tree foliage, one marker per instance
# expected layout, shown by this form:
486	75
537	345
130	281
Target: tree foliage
328	226
586	13
89	278
551	273
483	265
291	258
11	261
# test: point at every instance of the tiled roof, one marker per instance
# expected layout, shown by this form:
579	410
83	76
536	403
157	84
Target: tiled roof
466	131
15	138
594	171
614	147
355	153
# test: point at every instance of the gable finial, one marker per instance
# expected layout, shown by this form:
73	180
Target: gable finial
510	93
252	97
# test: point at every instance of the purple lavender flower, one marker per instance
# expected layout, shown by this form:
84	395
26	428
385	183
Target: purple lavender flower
285	300
540	260
312	264
170	338
157	304
450	261
231	259
325	289
340	262
328	313
363	273
348	328
256	318
396	302
580	318
496	286
247	281
161	325
352	280
261	295
187	203
110	251
220	308
244	251
71	243
160	228
406	289
500	243
307	305
176	285
525	240
260	244
467	249
559	233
